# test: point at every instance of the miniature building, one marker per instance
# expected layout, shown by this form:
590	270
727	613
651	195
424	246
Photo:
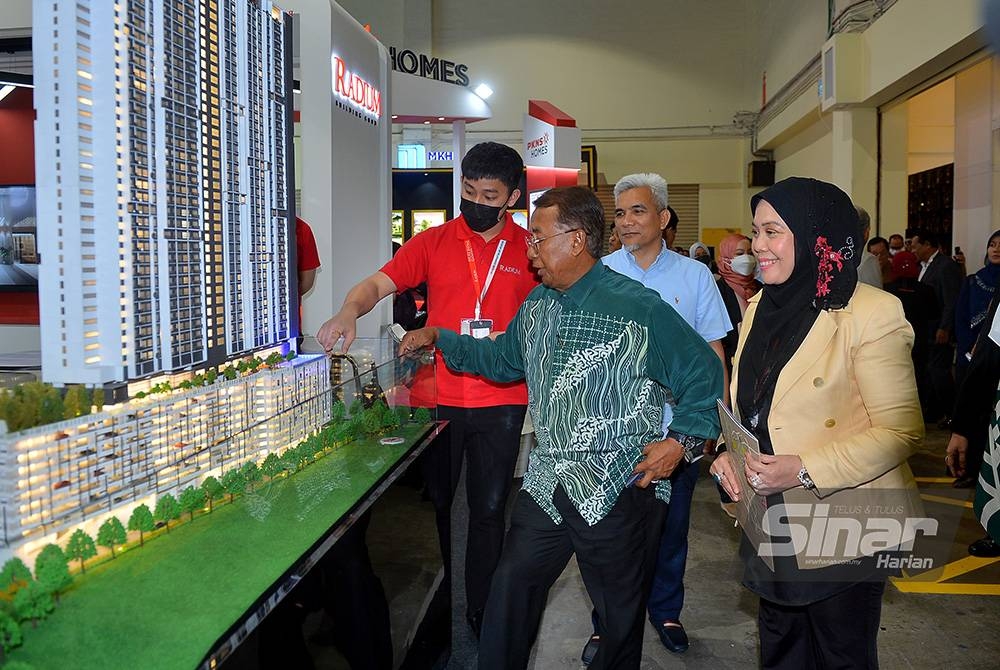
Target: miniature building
163	187
57	477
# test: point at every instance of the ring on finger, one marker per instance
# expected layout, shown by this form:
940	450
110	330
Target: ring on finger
756	481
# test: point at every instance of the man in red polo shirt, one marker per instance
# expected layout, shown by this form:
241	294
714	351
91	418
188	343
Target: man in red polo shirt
477	273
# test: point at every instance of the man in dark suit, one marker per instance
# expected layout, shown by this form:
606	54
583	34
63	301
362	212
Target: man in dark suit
944	275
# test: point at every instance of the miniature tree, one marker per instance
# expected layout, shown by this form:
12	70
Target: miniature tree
52	570
251	473
356	408
371	421
191	500
97	399
14	571
291	355
80	547
402	413
337	412
112	533
51	409
10	633
141	521
234	482
422	415
213	491
274	359
230	373
316	445
390	420
272	466
76	402
289	460
167	509
32	602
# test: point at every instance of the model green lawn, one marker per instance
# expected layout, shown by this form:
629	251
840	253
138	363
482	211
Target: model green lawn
164	605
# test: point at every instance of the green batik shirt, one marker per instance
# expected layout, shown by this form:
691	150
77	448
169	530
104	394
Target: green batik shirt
599	360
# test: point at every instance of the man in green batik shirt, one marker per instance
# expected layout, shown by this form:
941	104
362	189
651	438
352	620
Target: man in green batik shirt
600	354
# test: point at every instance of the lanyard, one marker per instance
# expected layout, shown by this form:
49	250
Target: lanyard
481	293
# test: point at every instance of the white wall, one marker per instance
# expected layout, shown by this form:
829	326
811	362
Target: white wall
398	23
972	219
808	153
931	128
16	15
611	65
785	36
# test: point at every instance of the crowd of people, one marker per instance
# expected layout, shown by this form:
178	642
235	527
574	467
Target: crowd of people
829	348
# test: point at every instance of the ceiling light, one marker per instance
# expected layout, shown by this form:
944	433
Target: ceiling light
440	118
483	91
427	123
395	116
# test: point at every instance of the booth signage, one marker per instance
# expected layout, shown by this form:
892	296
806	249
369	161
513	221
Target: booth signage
440	155
539	147
355	90
429	67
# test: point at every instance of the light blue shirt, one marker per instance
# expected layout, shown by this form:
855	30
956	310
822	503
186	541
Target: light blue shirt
686	285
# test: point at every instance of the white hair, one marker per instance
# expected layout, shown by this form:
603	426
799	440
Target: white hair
656	184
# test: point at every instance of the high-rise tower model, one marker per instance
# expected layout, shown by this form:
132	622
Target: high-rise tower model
163	175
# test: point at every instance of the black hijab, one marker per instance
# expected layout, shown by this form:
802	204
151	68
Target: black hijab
827	238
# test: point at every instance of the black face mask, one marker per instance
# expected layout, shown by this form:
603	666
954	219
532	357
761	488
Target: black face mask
706	259
480	217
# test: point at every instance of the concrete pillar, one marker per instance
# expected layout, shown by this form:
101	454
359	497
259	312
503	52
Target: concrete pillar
893	199
973	218
854	160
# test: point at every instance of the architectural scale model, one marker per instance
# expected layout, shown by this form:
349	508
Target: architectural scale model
162	138
164	175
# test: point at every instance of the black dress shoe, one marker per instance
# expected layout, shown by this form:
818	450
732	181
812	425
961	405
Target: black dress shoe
672	636
590	649
966	482
985	548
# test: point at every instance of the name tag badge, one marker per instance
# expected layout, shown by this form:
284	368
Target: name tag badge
478	328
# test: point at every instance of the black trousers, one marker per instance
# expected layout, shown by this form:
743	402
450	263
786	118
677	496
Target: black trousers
940	380
611	557
838	633
489	437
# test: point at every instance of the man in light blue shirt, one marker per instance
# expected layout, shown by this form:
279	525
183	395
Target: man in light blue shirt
641	215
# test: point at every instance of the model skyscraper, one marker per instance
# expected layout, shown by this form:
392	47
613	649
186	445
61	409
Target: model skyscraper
163	185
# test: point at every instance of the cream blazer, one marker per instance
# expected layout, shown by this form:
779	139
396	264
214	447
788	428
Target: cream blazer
846	402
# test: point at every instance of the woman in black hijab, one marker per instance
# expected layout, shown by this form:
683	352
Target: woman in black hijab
824	382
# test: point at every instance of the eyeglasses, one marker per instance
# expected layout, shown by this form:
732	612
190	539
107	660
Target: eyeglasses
533	242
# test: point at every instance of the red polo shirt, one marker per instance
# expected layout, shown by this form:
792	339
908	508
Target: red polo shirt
438	256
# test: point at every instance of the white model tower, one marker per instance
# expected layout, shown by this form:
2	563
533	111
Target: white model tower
163	208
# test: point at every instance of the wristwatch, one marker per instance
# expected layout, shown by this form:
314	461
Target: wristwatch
807	483
694	446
